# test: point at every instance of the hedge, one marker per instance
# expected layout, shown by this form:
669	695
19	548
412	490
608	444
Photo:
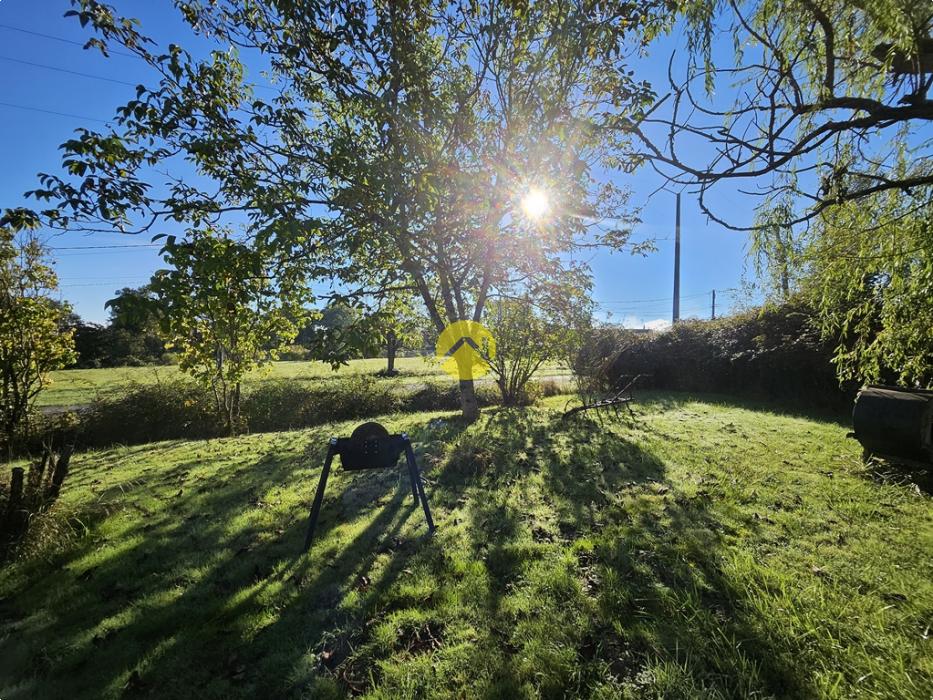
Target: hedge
774	352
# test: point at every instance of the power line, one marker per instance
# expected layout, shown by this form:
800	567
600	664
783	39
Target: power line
98	247
659	299
66	70
105	280
51	111
87	75
63	39
96	253
113	283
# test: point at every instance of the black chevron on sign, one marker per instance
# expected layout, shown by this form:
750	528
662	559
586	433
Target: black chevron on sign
464	340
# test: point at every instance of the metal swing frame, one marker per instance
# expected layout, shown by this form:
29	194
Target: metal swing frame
355	457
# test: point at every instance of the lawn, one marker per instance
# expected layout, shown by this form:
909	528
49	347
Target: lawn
73	387
706	549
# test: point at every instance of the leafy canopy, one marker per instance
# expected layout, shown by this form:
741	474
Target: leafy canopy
401	139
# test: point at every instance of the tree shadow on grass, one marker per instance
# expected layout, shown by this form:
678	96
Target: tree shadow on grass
209	596
668	602
652	553
183	574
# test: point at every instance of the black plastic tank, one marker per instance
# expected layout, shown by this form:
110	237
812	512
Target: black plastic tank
895	422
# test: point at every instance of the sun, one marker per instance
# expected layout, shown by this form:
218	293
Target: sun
535	204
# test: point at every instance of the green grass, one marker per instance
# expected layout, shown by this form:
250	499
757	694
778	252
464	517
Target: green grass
72	387
705	550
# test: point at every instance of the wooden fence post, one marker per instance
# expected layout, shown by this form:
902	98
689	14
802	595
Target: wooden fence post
15	518
60	472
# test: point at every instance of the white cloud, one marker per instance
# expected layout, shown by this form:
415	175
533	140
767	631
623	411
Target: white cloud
656	324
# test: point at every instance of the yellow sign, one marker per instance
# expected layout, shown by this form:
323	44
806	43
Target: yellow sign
466	349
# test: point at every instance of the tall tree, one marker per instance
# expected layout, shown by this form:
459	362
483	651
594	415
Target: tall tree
404	138
34	338
333	334
823	116
136	310
398	323
134	332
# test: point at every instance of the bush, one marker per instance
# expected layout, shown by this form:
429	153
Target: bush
285	405
149	413
529	393
552	387
433	397
594	358
294	353
486	395
180	408
279	405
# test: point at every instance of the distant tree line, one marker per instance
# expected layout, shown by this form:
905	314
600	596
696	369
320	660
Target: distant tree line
132	336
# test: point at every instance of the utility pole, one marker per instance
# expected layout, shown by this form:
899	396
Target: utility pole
714	304
676	314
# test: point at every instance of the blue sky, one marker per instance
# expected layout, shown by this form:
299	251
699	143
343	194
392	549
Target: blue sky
634	289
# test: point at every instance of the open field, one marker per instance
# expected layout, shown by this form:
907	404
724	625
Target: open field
72	387
79	386
707	549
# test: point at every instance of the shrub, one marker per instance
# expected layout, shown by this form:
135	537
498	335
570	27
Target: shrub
552	387
436	396
179	408
294	353
151	412
529	393
433	397
593	359
529	331
284	405
487	394
279	405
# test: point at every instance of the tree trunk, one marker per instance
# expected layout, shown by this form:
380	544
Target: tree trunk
468	403
234	415
391	344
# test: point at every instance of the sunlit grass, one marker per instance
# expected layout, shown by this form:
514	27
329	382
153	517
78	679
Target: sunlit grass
705	549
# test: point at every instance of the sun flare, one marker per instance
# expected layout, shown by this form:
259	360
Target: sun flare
535	204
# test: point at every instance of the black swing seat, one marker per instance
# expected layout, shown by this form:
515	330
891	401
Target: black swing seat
369	447
372	453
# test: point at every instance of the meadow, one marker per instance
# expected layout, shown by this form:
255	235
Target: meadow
76	387
707	548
